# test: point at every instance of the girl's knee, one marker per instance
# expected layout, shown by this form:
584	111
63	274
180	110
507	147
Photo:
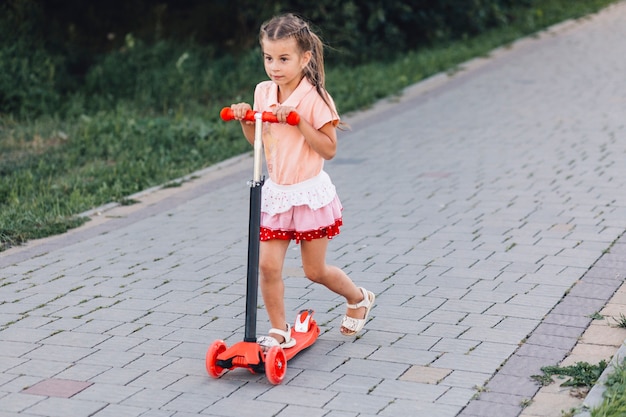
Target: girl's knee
270	270
317	275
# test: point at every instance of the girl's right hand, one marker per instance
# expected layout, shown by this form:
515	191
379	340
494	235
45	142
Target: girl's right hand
240	110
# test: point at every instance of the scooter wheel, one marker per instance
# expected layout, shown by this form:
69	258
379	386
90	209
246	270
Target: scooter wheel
214	351
275	365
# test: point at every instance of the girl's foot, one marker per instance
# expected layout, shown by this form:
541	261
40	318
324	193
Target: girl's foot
277	337
357	314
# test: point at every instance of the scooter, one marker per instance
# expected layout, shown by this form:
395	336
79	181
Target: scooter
248	353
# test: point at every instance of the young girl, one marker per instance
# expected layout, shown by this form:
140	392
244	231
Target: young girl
299	201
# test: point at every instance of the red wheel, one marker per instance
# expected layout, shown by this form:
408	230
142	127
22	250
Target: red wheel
214	351
275	365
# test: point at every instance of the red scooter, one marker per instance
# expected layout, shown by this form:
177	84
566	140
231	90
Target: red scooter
248	353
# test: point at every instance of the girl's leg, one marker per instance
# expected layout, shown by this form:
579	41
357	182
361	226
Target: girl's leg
271	260
333	278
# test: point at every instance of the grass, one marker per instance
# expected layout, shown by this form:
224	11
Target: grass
620	321
149	115
614	402
581	374
50	175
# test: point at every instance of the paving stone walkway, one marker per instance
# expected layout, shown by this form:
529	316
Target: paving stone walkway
486	210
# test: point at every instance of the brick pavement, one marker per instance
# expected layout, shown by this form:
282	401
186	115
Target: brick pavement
486	210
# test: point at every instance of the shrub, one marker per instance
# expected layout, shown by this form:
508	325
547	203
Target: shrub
28	73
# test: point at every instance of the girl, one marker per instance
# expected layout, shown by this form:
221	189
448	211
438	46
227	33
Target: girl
299	201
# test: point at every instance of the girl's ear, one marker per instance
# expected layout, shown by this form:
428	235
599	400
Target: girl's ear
306	58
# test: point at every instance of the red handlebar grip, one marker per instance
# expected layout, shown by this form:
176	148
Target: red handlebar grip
227	114
293	118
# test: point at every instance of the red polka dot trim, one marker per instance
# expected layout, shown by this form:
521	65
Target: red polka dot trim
329	232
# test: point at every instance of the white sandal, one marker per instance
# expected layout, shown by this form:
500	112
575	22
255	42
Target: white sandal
269	341
354	325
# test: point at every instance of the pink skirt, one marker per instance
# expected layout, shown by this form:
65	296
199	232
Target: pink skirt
306	211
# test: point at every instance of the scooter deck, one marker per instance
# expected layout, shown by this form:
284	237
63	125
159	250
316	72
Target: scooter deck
252	356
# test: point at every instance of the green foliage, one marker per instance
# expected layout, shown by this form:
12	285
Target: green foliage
596	316
614	403
28	73
167	76
620	321
582	374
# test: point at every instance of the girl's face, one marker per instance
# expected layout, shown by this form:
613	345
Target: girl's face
284	63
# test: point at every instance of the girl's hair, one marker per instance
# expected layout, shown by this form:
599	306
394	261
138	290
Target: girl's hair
291	26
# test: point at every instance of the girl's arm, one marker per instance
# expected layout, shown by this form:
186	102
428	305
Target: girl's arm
322	141
239	111
248	130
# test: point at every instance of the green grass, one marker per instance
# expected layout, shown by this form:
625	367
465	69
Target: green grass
149	114
620	321
614	403
581	374
53	171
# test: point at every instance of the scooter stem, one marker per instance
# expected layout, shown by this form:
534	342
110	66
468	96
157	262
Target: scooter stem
256	185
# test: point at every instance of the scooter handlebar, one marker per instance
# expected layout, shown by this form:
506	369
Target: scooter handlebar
293	118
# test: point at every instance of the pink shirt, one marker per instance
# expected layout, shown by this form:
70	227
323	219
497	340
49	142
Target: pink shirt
290	159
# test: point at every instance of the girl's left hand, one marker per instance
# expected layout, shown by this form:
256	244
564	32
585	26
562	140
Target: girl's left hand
282	112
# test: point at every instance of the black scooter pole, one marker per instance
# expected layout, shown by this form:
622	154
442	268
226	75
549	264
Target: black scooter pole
253	261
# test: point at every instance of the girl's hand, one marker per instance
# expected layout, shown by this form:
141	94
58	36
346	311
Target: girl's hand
282	112
240	110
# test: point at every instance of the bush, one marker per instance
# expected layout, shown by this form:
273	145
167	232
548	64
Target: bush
169	77
61	58
28	72
365	30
